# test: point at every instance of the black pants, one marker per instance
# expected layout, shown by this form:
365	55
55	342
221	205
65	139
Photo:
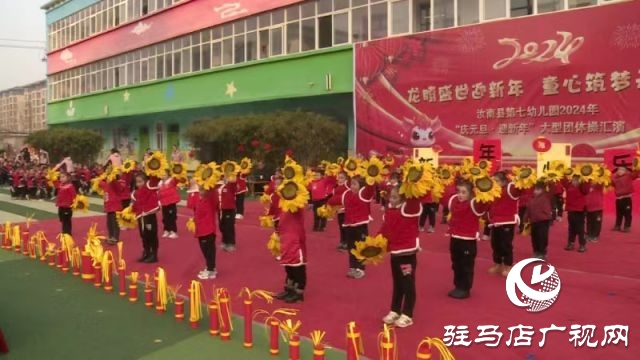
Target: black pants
240	203
487	230
429	211
297	275
558	204
341	229
228	226
125	203
208	248
319	223
445	213
403	272
521	212
148	227
576	226
170	218
113	229
623	212
65	214
353	234
463	262
594	224
502	244
540	236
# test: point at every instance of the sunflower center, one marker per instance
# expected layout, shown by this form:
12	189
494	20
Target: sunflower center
414	174
586	170
373	171
207	173
525	173
351	166
153	164
601	171
229	168
288	172
177	169
371	251
445	174
289	191
483	164
484	184
475	171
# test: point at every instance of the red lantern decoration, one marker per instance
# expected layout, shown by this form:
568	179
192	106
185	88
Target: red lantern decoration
541	144
224	304
148	297
97	279
255	143
241	149
122	281
248	326
267	147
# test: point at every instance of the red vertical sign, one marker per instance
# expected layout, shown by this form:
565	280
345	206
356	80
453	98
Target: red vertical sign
614	158
488	149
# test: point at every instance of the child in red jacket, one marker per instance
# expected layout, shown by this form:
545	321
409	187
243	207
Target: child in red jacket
539	215
622	182
558	200
524	197
575	203
503	215
112	204
64	200
463	229
449	191
145	206
594	205
318	192
169	199
357	208
429	211
400	228
241	192
193	195
293	255
341	187
206	215
274	204
227	200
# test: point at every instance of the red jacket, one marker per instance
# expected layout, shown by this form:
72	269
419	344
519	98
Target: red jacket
504	210
539	208
293	244
31	181
594	200
558	189
575	197
112	195
427	198
206	213
227	196
16	178
449	191
623	185
274	206
168	192
464	217
241	184
318	189
357	206
338	192
525	196
145	199
66	195
400	227
126	178
192	198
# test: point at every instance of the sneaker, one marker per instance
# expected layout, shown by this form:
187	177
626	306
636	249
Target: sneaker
230	248
239	216
459	294
223	247
390	318
351	272
431	229
505	270
594	240
569	247
172	235
495	269
582	249
421	229
207	275
342	247
403	321
358	274
165	234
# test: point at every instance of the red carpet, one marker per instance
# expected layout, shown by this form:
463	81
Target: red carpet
600	287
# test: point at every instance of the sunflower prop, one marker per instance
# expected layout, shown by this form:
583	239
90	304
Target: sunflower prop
266	221
371	251
245	166
474	172
230	168
191	225
179	171
447	174
332	169
524	177
273	245
80	203
389	160
486	190
554	172
265	199
587	172
373	171
292	171
309	176
418	179
602	176
437	190
485	165
207	176
327	211
95	184
155	165
112	174
293	196
126	218
52	176
128	166
352	167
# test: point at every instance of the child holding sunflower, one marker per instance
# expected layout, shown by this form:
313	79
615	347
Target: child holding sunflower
539	216
274	204
145	206
66	193
400	228
318	188
575	203
357	210
622	181
206	214
342	186
503	215
227	201
112	203
463	229
429	211
169	199
241	192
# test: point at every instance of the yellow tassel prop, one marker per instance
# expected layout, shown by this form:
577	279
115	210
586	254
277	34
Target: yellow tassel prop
29	220
195	302
108	267
273	245
265	199
266	221
427	344
6	235
387	343
372	250
162	294
191	225
317	339
327	211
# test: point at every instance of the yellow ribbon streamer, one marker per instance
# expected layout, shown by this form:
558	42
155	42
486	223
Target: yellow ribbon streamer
195	301
108	266
273	316
317	337
16	237
29	220
263	294
445	353
355	338
134	276
290	327
223	297
162	296
385	337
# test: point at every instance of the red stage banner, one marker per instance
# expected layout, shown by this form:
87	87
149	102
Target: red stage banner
490	150
614	158
571	76
181	19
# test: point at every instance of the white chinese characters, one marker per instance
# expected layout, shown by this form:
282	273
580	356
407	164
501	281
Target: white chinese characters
548	50
228	10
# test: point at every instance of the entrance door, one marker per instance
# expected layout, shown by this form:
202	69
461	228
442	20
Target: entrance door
173	138
143	141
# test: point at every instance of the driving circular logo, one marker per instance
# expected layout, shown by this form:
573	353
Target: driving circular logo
540	292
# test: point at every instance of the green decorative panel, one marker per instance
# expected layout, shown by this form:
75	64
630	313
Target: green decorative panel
305	75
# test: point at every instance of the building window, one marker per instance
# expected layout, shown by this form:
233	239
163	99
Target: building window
360	24
238	49
495	9
545	6
581	3
340	28
379	21
227	51
468	12
325	31
521	7
252	46
400	17
160	137
308	34
293	37
276	41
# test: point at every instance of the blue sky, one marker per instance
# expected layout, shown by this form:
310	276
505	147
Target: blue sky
22	20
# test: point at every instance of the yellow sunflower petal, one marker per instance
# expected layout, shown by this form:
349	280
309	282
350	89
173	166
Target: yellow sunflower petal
156	165
524	177
418	179
207	176
293	196
179	171
486	190
371	251
126	218
373	171
245	166
352	167
128	166
80	203
273	245
229	168
191	225
292	171
266	221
